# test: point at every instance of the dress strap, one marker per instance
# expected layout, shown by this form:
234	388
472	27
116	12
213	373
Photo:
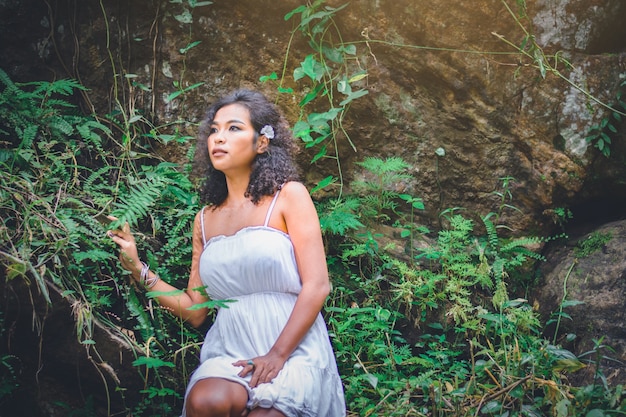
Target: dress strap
271	208
202	226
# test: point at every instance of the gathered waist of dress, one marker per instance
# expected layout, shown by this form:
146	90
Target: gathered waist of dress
228	302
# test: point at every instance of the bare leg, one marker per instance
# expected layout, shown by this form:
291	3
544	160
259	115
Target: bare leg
216	397
265	412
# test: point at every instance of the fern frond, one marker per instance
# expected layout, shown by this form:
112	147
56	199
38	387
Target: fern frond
520	243
492	232
95	255
136	204
64	87
27	135
59	123
340	217
6	80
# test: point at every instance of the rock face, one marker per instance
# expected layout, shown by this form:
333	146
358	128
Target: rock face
591	271
442	75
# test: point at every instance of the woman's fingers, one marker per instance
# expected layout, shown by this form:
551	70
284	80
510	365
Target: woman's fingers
128	248
262	371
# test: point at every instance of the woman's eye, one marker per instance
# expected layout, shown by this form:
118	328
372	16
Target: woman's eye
212	130
233	128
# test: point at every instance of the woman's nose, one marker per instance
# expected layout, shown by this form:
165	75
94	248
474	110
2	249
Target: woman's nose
218	137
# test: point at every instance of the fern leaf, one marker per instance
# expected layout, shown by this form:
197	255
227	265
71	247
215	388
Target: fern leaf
136	309
492	233
27	135
139	200
95	255
6	80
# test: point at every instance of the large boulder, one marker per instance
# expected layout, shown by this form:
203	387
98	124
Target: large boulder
586	280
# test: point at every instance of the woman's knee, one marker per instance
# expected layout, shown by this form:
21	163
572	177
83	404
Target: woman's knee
215	398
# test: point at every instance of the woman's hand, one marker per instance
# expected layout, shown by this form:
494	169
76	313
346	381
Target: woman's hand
263	368
129	256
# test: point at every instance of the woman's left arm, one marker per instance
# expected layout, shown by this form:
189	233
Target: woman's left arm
304	230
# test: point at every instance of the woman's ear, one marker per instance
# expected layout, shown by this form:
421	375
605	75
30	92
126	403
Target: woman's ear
262	144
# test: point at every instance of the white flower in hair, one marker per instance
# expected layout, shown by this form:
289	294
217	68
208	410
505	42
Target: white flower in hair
268	131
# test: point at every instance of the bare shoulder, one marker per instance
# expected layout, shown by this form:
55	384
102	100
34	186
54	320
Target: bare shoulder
197	223
295	190
297	204
295	196
199	215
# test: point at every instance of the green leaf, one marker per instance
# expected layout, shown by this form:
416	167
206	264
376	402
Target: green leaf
295	11
265	78
323	183
189	46
302	130
311	68
357	77
152	363
212	304
373	380
491	407
353	96
350	49
333	54
320	154
200	3
185	17
173	95
311	95
571	303
343	86
329	115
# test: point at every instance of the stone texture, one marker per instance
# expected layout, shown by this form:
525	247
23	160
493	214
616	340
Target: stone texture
438	77
599	282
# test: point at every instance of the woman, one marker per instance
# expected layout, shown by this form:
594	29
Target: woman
257	243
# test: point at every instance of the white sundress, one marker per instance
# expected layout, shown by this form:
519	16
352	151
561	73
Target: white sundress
256	269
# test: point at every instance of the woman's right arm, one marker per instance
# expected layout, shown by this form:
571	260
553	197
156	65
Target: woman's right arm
180	303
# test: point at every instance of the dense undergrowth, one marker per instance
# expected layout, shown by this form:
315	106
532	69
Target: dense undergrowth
418	329
424	323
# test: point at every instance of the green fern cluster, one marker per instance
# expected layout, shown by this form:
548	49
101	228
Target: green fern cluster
430	332
55	177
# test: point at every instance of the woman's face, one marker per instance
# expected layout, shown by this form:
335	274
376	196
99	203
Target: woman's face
231	143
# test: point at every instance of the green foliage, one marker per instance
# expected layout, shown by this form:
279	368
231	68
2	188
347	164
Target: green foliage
378	193
331	79
422	323
600	134
56	176
593	243
438	333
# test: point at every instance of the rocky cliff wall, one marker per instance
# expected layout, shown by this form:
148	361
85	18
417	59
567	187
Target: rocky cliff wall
442	75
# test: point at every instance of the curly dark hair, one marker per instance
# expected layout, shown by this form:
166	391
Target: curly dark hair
270	170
